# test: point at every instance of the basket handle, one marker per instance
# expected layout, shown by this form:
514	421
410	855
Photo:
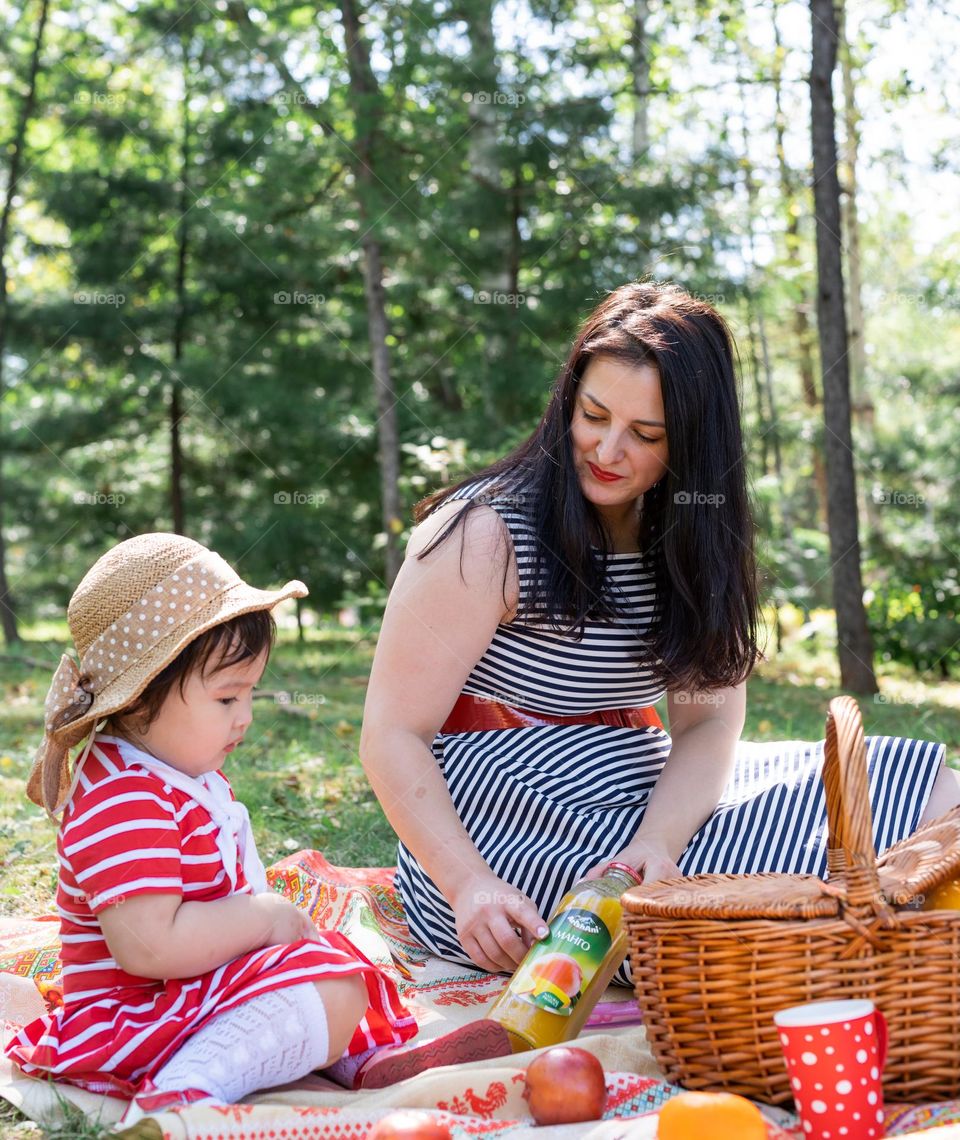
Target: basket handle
850	850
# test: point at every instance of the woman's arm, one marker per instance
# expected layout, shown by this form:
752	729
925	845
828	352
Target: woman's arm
441	615
705	728
161	936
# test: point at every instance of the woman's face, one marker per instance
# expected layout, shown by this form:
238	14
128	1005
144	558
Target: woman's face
618	433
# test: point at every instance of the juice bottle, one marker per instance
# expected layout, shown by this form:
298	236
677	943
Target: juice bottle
563	975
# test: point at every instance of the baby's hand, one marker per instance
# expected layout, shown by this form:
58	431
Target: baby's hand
286	922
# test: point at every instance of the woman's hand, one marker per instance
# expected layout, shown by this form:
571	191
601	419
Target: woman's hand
649	857
489	914
283	921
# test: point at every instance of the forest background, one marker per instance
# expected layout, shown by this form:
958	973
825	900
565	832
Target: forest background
269	274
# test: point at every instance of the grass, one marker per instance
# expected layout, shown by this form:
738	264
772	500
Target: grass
15	1126
298	771
73	1124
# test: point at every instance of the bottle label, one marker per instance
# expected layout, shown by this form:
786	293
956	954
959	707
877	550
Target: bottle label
559	968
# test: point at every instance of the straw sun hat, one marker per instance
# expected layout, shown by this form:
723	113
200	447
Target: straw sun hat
137	607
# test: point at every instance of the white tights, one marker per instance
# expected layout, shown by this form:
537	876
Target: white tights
273	1038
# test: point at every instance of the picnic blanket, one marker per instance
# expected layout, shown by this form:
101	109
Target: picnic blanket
474	1100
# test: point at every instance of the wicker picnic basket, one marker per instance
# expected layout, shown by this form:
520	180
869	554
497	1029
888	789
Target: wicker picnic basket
715	956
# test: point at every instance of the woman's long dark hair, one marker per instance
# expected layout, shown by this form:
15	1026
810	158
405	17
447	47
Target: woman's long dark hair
695	526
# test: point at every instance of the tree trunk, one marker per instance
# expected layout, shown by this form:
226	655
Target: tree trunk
484	154
640	78
8	616
501	205
851	224
862	405
801	316
762	420
176	458
484	147
180	321
762	368
854	644
513	261
367	96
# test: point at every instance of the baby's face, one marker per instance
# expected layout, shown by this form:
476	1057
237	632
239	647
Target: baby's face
197	729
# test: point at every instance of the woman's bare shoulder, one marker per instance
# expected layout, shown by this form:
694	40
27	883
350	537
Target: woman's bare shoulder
481	533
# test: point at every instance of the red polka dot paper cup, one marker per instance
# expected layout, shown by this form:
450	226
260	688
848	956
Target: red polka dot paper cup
835	1051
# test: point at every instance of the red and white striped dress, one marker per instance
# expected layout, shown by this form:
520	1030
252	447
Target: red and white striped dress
125	833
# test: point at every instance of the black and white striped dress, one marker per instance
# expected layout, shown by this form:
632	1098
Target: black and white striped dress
544	804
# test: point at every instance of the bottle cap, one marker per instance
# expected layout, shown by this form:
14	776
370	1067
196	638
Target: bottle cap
626	869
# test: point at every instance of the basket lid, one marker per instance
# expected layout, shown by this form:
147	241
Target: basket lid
922	861
906	872
765	895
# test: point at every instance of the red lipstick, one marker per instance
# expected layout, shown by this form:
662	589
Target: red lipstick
603	476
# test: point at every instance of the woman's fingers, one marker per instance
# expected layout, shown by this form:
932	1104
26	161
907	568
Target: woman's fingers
499	942
510	933
653	867
498	937
525	917
504	929
661	869
497	923
491	955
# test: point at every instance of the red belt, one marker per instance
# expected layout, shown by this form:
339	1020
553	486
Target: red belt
473	714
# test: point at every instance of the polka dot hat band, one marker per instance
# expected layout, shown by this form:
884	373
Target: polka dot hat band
135	610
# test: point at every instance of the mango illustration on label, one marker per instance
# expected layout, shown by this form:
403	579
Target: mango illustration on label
561	966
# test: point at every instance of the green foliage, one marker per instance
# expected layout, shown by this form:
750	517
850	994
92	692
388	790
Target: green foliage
190	150
189	224
919	624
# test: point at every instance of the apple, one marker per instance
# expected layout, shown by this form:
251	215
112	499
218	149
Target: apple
409	1124
565	1085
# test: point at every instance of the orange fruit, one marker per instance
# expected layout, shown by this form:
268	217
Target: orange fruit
944	897
561	970
719	1116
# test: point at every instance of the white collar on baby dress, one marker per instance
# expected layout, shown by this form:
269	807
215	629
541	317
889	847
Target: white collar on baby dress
234	836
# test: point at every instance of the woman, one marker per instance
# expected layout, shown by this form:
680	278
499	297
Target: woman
545	605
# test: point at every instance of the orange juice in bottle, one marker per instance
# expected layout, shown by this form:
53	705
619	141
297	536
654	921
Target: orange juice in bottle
563	975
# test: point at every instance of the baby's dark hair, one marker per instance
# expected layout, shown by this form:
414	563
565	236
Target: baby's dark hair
229	643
